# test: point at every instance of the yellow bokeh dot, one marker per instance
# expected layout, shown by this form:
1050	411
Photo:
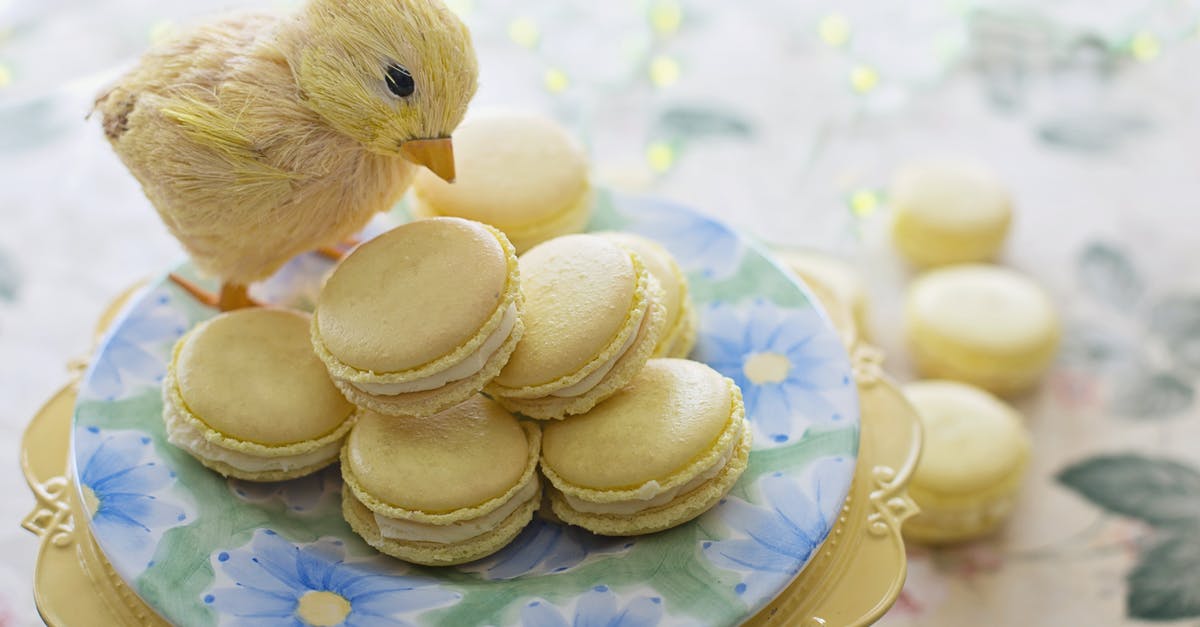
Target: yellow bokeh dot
524	31
863	78
161	31
666	16
834	29
864	202
1145	46
5	76
660	156
556	80
664	71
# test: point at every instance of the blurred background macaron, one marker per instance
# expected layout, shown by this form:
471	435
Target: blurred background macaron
974	458
948	212
519	172
593	315
446	489
245	395
982	324
657	454
679	331
420	318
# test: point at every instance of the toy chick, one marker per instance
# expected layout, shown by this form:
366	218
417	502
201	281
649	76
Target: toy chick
260	137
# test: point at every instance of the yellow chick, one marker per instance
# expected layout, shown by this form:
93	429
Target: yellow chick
261	137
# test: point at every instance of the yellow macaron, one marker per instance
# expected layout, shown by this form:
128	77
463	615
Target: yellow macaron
679	331
420	318
245	395
519	172
948	212
973	460
593	315
446	489
982	324
657	454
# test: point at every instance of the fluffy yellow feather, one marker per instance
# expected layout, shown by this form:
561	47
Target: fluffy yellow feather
260	137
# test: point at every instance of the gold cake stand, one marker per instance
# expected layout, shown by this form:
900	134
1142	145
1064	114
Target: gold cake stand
854	578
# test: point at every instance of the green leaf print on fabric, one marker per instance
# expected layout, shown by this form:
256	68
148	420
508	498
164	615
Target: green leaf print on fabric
1109	276
1166	583
1152	395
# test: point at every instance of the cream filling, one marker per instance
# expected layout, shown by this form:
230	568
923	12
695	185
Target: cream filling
633	506
465	368
187	436
412	531
592	380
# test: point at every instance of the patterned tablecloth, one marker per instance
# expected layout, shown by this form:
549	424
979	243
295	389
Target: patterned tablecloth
787	121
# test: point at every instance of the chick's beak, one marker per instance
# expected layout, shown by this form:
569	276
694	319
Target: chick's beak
437	154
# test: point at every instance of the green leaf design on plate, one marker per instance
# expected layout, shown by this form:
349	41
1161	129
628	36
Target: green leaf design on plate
1095	347
1152	395
697	122
1176	319
757	277
1165	585
1107	274
1159	491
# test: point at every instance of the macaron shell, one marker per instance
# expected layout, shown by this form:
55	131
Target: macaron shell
392	291
623	371
680	510
679	341
418	404
949	213
514	171
460	458
226	470
669	415
252	376
362	521
573	219
662	265
983	324
580	293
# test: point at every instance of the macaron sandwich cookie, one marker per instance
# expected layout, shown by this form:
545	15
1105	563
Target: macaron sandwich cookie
521	173
420	318
593	315
986	325
972	463
657	454
245	395
446	489
948	212
679	331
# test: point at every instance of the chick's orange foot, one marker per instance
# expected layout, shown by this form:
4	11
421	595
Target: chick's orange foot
231	295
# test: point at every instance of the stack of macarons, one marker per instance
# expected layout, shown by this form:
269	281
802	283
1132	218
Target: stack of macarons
437	361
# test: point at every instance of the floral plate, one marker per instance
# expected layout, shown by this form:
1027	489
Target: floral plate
203	550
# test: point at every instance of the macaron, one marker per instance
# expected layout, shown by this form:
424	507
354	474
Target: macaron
657	454
679	331
519	172
948	212
420	318
446	489
836	283
245	395
593	314
973	460
981	324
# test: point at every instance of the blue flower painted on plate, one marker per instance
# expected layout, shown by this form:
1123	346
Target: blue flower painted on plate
698	243
126	490
302	496
781	535
272	582
598	607
545	547
135	356
793	372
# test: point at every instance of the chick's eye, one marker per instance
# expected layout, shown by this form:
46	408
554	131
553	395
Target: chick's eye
399	81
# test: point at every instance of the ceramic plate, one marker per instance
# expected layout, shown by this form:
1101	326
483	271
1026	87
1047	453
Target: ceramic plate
204	550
